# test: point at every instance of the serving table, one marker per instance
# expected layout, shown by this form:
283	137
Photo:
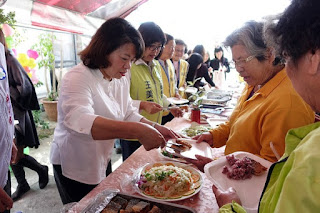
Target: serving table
204	201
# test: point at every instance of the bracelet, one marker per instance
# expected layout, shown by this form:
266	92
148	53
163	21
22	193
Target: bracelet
154	124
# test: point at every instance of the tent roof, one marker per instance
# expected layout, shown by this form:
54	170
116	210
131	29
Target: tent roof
103	9
76	16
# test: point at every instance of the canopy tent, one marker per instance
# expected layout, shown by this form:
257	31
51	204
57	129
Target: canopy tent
77	16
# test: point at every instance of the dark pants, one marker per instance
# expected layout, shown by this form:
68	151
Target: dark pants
71	190
167	118
7	189
128	147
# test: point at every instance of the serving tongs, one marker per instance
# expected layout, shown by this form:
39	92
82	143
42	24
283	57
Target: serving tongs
175	151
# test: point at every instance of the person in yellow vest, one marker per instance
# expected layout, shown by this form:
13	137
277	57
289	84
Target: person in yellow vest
168	75
146	88
181	66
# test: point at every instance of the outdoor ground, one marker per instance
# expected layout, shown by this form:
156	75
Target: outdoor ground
45	200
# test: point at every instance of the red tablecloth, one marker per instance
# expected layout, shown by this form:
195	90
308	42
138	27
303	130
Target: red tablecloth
204	201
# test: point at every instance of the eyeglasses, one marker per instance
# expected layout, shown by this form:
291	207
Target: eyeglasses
242	62
155	48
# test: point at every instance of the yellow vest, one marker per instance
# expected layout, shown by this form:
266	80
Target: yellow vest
183	71
146	85
168	78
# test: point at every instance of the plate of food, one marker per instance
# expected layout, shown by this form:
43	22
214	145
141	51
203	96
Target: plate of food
188	149
168	181
240	170
195	129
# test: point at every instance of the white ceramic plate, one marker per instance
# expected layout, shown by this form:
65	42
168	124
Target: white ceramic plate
249	190
202	149
177	101
194	126
214	122
181	165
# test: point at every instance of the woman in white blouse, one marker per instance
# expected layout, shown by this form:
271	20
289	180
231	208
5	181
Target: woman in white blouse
95	107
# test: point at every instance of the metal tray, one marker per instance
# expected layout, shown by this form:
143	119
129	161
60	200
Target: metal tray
164	206
104	197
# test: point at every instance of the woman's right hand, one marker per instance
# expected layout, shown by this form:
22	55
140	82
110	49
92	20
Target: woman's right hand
206	137
150	107
150	138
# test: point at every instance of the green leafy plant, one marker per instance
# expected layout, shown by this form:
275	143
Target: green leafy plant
8	18
39	122
191	83
46	60
19	36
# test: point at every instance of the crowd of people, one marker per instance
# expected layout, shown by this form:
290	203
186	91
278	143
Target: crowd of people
123	83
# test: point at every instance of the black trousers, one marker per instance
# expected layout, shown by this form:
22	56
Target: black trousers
7	189
71	190
128	147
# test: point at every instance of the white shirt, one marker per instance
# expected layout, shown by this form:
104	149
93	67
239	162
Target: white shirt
84	95
6	121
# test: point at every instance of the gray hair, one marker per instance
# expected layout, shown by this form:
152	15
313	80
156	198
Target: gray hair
251	36
269	36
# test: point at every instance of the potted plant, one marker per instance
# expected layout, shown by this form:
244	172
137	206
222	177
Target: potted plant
46	61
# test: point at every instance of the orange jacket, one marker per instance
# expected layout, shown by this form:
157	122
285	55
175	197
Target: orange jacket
266	116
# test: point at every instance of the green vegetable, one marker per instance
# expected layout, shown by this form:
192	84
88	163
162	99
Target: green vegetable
165	153
148	176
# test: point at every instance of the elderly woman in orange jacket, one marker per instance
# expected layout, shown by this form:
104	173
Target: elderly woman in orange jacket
269	105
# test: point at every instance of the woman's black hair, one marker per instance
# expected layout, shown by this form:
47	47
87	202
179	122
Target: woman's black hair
298	29
110	36
199	49
151	33
194	60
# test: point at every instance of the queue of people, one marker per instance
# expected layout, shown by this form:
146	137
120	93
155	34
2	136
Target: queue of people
119	90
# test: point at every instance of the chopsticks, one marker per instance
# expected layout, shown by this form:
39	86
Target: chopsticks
176	153
274	151
174	106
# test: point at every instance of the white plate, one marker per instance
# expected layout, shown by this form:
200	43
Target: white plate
203	149
177	101
214	101
191	90
214	122
194	125
181	165
249	190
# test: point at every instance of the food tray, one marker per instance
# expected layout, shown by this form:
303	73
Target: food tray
103	198
164	206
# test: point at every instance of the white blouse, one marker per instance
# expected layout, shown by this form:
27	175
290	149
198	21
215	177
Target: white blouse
6	121
84	95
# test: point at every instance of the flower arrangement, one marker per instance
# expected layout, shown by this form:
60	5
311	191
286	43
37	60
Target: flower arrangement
28	62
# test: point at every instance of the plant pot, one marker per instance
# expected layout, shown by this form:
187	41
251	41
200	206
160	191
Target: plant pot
195	115
50	107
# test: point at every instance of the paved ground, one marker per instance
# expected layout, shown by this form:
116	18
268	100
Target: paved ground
45	200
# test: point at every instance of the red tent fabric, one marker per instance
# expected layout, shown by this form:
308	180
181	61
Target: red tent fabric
70	15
